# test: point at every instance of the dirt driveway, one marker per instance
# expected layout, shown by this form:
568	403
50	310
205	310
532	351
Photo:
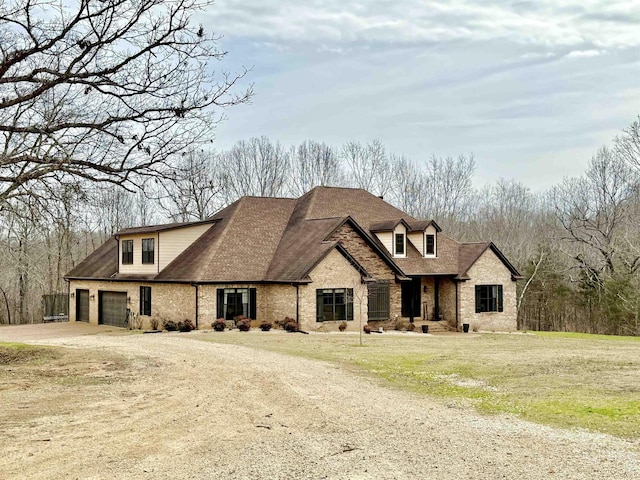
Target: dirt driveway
168	406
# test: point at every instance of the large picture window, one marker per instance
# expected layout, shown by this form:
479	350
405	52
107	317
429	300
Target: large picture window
488	298
148	247
145	300
127	252
334	304
233	302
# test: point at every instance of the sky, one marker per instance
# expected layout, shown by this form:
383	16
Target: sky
531	88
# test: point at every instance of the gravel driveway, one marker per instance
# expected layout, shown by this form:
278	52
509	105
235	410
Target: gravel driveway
189	409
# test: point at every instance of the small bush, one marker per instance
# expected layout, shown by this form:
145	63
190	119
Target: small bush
401	325
154	322
289	324
135	321
244	325
411	327
342	327
219	325
366	328
265	326
186	326
170	326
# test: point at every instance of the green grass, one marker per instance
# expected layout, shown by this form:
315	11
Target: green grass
564	380
14	353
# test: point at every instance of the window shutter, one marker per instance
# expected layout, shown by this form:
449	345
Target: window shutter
220	303
349	301
478	299
252	304
319	300
500	298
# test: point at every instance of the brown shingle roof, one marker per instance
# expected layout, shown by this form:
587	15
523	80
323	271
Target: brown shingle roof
102	263
281	239
160	228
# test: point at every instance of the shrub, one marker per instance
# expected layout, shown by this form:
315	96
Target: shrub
411	327
289	324
265	326
135	321
155	322
219	325
366	328
342	327
401	325
170	326
244	325
186	326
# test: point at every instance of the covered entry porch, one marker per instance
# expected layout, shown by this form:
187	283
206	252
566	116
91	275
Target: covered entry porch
430	298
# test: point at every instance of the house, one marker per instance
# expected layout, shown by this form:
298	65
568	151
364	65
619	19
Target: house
332	255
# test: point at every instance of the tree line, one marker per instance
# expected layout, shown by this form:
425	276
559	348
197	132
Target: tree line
107	114
576	244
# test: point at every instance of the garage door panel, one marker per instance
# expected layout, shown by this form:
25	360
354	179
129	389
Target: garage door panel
113	308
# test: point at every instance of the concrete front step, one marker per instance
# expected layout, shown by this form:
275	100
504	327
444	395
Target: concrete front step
436	327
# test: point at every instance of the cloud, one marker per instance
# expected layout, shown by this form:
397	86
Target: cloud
547	23
585	53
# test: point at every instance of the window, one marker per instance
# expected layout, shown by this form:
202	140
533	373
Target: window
233	302
488	298
399	244
145	300
334	304
127	252
378	308
147	250
430	245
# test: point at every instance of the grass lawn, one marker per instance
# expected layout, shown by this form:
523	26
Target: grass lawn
565	380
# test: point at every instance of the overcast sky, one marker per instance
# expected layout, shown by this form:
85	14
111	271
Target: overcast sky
531	88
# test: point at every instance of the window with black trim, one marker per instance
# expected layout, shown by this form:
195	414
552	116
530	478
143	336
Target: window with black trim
233	302
334	304
148	246
127	252
145	300
430	244
488	298
399	244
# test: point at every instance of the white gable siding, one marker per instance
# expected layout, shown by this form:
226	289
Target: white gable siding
174	242
387	240
137	266
417	240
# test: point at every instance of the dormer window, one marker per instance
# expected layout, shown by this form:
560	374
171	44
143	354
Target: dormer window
430	244
399	244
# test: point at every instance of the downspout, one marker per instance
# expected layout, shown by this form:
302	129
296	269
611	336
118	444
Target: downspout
298	305
457	306
159	272
197	302
68	299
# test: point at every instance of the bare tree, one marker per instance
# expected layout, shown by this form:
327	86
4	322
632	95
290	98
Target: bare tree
103	90
627	145
254	167
369	166
313	164
194	191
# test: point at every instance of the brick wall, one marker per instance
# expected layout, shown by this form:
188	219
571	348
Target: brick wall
371	261
333	272
488	270
169	301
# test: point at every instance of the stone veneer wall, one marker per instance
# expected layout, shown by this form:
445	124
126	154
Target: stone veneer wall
334	271
488	270
371	261
169	301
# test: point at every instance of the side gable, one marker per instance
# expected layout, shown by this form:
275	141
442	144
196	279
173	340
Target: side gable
471	252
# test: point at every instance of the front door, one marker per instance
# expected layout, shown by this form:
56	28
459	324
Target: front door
411	299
